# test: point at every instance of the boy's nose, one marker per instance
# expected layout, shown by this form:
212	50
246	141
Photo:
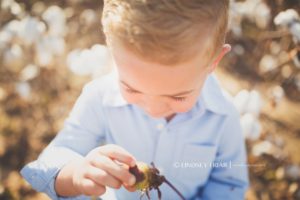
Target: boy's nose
154	107
154	112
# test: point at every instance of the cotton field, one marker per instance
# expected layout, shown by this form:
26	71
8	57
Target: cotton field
50	49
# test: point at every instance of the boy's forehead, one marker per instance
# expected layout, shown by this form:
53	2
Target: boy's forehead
125	56
157	79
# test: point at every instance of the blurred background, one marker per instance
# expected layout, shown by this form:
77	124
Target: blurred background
50	49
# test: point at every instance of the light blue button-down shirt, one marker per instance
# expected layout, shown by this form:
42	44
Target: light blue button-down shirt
202	152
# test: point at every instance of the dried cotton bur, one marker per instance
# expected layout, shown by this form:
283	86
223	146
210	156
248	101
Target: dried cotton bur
148	178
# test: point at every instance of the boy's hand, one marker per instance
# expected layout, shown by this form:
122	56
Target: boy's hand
104	166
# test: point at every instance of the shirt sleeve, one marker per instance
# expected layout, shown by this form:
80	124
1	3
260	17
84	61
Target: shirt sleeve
83	130
230	181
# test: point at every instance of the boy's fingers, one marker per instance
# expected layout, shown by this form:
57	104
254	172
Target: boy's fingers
103	178
129	188
114	169
118	153
91	188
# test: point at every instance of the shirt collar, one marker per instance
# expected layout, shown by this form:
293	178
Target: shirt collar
212	96
209	99
112	95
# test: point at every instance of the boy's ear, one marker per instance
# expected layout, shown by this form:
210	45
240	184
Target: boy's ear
225	49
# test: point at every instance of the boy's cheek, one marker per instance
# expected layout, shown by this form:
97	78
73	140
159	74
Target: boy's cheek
182	107
132	99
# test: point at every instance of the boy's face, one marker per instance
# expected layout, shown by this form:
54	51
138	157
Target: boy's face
161	91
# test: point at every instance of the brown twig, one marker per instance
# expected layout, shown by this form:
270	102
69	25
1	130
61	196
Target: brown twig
174	188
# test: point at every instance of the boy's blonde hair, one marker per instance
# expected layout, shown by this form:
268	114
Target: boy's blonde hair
165	31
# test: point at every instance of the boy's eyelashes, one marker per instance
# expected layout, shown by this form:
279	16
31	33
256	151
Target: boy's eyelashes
179	98
129	90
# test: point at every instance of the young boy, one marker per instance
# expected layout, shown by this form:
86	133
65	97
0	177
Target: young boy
162	104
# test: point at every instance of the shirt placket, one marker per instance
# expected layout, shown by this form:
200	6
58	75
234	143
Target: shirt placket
163	145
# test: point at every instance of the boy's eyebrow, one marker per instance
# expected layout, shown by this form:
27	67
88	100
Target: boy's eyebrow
177	94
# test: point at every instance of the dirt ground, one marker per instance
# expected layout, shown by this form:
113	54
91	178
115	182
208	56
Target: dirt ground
33	111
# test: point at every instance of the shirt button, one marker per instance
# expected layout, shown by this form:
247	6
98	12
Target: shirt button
160	127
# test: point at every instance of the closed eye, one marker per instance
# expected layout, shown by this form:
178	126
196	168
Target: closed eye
131	91
179	98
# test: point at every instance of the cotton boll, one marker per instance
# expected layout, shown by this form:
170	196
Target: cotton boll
103	59
13	28
16	9
13	57
291	20
241	100
29	72
88	17
24	90
88	61
81	62
101	54
293	188
235	19
268	63
43	54
44	58
12	6
287	17
275	48
48	47
264	147
55	18
235	24
5	38
31	29
277	94
239	50
295	31
254	103
250	126
72	61
38	8
262	14
69	12
247	8
248	102
6	4
55	44
254	10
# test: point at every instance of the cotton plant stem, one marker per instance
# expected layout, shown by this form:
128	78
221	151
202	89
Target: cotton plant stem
175	190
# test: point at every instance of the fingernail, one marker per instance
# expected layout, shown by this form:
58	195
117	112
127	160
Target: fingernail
131	181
